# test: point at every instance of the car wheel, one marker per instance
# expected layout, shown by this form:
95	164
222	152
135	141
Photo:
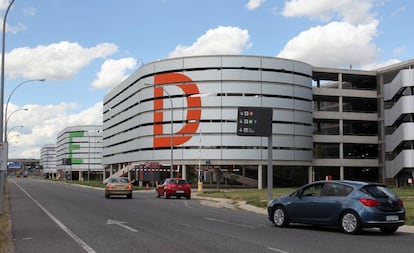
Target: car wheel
107	195
350	223
129	196
280	217
188	196
389	230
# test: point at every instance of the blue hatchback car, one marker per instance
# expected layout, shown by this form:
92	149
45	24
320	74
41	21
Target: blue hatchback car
349	205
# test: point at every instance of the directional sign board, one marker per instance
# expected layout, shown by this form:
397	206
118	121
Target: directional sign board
254	121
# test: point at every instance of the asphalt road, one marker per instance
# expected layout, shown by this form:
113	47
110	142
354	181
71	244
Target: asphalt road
57	217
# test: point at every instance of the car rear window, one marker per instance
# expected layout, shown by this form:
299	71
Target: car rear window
179	181
378	191
124	180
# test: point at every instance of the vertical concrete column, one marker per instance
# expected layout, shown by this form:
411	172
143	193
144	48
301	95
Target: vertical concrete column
184	171
341	173
80	175
311	174
260	177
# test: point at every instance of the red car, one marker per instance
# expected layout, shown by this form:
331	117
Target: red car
177	187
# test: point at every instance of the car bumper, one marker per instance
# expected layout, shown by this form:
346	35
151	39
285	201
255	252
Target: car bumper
372	220
374	224
178	193
118	192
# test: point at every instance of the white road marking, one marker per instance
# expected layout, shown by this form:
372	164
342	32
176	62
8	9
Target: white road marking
277	250
121	224
76	238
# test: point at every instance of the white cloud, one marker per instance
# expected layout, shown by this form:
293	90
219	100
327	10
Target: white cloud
13	28
42	123
254	4
221	40
351	11
4	4
377	65
57	61
337	44
113	72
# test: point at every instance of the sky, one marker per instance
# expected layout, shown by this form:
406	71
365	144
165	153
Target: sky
84	48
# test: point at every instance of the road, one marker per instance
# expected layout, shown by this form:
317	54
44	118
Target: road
57	217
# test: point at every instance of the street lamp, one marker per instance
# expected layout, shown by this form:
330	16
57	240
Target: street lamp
15	135
8	131
8	101
200	183
172	129
7	120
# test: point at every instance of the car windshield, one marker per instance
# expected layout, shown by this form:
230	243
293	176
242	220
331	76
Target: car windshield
378	191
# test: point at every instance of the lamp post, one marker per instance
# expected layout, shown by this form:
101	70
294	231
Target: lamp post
172	130
8	101
200	183
3	166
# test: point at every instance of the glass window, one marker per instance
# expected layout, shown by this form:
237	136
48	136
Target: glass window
182	181
336	190
313	190
378	191
124	180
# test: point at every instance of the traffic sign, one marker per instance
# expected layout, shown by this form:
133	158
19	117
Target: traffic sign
254	121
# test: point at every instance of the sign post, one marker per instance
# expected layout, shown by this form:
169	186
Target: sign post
257	121
3	171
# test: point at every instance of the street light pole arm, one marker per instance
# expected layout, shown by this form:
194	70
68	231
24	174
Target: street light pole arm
15	88
7	120
8	100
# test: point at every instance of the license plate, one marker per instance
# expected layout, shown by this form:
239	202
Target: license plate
392	217
180	191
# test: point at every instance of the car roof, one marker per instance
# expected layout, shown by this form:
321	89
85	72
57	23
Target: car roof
357	184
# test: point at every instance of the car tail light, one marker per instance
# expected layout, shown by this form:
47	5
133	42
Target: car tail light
110	186
369	202
129	187
401	202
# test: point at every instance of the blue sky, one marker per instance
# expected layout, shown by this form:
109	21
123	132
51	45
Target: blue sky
84	48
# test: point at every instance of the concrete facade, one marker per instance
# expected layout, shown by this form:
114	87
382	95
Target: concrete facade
79	152
336	123
48	160
205	93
